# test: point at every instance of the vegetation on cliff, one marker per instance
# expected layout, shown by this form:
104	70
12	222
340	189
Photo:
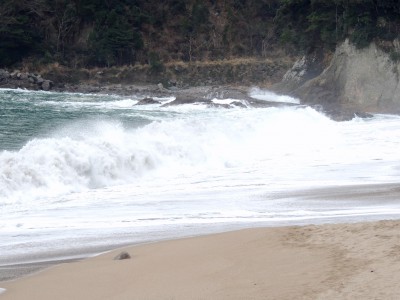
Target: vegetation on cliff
307	23
84	33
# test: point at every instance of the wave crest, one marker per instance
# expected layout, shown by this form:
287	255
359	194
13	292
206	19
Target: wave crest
100	154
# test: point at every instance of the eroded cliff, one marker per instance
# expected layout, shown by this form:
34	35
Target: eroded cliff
355	81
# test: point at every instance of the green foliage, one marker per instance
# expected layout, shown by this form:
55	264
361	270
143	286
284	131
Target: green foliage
200	15
18	34
118	32
155	63
177	7
65	18
113	40
196	21
326	22
287	36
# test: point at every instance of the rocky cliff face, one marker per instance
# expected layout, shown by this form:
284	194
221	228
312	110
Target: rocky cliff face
355	81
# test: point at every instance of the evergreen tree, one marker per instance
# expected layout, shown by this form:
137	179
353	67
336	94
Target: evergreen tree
114	41
19	33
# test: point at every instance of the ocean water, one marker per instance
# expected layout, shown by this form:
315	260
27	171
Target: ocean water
79	173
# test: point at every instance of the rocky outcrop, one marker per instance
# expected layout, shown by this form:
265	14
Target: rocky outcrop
24	80
206	94
147	101
304	69
357	81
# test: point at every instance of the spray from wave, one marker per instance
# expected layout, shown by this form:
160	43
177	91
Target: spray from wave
267	95
91	158
89	155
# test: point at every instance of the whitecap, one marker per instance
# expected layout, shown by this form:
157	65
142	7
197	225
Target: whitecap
270	96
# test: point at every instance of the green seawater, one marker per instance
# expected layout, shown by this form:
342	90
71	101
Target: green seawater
25	115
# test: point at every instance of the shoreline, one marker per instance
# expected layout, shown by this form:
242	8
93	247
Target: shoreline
15	267
329	261
21	270
202	94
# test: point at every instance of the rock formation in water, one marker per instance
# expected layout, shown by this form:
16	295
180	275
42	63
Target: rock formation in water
147	101
356	81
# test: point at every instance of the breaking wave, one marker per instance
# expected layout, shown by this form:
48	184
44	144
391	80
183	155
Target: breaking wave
94	154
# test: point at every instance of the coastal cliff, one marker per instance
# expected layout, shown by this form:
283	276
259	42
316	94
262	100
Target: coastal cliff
354	81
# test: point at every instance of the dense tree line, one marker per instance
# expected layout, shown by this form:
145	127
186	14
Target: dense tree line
309	23
118	32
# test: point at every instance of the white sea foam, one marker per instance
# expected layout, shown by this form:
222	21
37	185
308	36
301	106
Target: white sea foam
277	144
144	170
89	158
270	96
117	104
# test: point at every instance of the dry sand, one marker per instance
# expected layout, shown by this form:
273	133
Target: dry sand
341	261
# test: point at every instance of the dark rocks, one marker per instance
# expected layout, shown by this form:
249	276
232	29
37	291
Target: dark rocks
4	75
188	98
14	74
218	105
205	95
23	76
344	114
46	85
123	255
24	80
147	101
238	104
39	79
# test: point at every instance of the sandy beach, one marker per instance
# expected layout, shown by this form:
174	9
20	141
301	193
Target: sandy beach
340	261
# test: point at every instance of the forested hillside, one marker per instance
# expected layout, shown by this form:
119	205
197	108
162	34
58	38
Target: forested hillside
307	24
86	33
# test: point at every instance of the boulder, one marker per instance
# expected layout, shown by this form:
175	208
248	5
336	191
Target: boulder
14	74
4	75
46	85
23	76
123	255
39	80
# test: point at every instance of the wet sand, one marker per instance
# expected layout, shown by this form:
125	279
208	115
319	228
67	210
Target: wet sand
340	261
